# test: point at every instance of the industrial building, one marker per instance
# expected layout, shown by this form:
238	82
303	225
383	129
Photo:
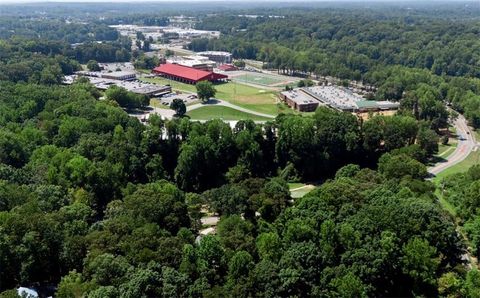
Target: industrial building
227	67
102	83
299	100
186	74
197	62
309	98
114	75
219	57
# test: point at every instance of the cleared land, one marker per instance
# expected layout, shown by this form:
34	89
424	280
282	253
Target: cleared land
298	190
225	113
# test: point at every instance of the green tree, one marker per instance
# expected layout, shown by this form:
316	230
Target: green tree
92	65
205	90
179	107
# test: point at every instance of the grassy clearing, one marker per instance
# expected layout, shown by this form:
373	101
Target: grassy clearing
302	191
472	159
225	113
298	189
293	185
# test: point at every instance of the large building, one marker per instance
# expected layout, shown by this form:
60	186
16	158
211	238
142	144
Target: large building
186	74
309	98
197	62
102	83
300	101
219	57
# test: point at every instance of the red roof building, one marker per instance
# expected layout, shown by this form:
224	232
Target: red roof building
187	74
227	67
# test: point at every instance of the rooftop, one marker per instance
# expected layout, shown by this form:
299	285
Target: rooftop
218	53
299	97
185	72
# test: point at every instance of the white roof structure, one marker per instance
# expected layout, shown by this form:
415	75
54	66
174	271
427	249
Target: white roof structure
27	292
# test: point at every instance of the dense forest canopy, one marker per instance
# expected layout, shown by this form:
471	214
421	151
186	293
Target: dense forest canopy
394	51
95	203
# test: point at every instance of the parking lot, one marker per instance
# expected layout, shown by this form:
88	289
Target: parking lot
188	98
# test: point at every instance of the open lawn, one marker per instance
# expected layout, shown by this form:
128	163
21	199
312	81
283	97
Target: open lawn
225	113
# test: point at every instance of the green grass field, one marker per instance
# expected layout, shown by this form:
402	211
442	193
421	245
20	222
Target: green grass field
221	112
259	79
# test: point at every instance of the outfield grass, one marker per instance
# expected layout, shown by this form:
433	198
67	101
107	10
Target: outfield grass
472	159
225	113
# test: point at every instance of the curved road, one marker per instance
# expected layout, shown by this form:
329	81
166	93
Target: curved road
168	114
466	144
219	102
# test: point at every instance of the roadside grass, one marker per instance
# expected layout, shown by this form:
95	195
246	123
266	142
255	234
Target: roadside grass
445	150
472	159
221	112
476	134
445	204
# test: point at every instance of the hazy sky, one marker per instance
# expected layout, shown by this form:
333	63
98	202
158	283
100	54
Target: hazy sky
113	1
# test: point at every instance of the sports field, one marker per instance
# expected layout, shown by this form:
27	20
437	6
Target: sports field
262	79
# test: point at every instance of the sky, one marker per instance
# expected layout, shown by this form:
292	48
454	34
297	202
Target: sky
132	1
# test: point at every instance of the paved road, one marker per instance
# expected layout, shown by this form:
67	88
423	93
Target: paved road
168	114
466	144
